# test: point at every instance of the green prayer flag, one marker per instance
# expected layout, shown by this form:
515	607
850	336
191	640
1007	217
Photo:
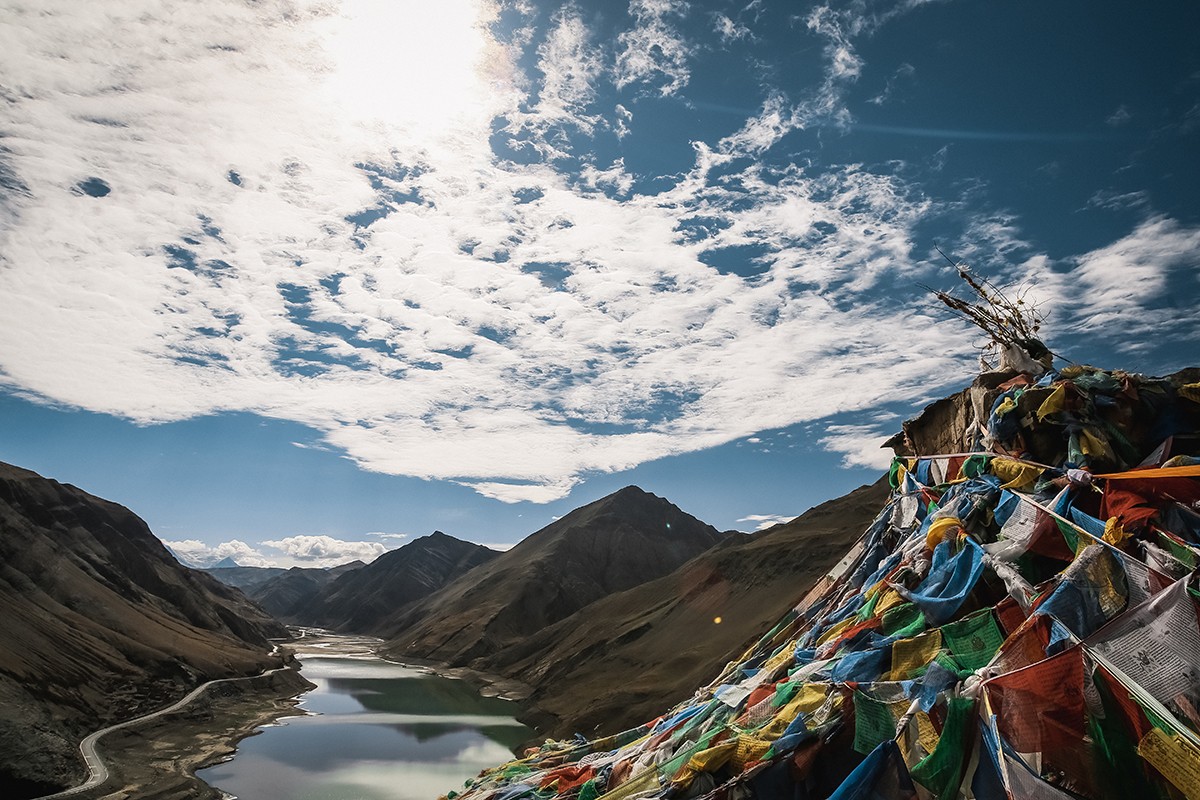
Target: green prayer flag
974	639
873	723
941	771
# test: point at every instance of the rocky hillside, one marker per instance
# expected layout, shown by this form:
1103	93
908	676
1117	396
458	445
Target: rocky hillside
613	663
613	544
366	600
100	623
286	593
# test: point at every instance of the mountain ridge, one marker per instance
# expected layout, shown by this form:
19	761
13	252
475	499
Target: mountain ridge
360	601
101	623
611	544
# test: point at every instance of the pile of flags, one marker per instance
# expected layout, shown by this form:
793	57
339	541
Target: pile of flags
1020	621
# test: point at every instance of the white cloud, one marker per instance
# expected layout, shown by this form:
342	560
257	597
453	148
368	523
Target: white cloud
1119	201
763	521
292	551
1123	286
730	30
396	536
569	63
904	71
199	554
1119	117
476	330
654	50
615	178
427	307
324	551
860	445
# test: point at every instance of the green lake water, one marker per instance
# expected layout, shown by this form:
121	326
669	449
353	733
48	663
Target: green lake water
375	730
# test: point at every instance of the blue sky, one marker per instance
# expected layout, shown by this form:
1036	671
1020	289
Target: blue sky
298	281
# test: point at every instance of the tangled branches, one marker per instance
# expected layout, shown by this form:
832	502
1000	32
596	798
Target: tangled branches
1007	320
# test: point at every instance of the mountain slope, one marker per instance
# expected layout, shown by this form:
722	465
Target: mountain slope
100	623
662	638
283	594
363	601
245	578
613	544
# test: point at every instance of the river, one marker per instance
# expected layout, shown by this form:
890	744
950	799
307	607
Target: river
374	730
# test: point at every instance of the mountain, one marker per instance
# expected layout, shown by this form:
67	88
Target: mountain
245	578
227	562
100	623
614	662
613	544
283	594
365	600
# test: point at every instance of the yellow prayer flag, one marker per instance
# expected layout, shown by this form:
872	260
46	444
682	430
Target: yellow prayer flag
912	655
749	749
941	528
891	599
1057	401
713	758
1176	758
837	630
1014	474
1114	532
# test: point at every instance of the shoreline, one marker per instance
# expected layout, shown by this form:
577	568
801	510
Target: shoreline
487	684
158	759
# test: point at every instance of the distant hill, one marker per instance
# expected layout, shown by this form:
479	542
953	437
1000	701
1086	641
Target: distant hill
291	589
99	623
613	544
367	599
245	578
662	638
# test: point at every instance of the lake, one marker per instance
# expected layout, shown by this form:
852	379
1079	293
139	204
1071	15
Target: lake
375	730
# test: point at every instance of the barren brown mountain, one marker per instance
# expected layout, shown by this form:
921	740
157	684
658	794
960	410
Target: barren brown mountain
98	623
613	544
620	660
367	599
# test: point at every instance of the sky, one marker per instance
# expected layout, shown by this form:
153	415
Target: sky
299	281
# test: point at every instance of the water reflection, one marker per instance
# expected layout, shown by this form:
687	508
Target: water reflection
379	731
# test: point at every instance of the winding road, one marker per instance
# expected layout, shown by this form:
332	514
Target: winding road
98	770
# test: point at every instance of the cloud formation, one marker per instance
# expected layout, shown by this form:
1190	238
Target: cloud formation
433	310
291	551
653	50
763	521
451	278
196	553
325	550
860	445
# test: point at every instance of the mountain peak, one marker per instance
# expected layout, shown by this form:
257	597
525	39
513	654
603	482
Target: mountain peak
225	563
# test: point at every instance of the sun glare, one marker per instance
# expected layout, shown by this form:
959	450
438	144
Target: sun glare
416	65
